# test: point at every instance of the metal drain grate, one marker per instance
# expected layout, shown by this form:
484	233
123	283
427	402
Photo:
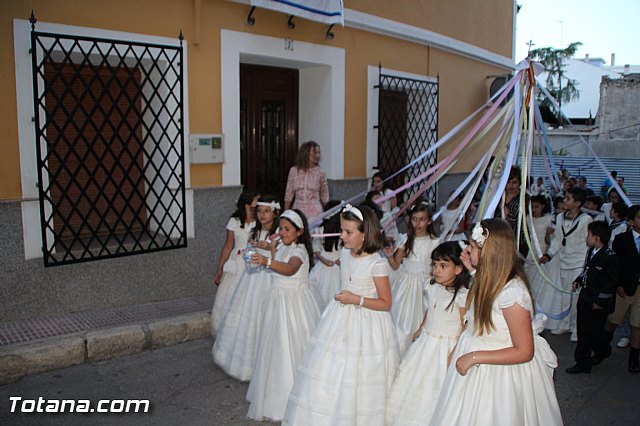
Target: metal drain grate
41	328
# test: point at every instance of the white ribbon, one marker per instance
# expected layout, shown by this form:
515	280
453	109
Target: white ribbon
293	217
353	210
273	204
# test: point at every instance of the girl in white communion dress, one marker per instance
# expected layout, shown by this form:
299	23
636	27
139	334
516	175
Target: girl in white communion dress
501	373
289	315
347	370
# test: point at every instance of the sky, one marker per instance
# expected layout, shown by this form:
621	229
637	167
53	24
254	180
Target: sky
603	26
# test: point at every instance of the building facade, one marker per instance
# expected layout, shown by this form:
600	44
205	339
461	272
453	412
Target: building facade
188	78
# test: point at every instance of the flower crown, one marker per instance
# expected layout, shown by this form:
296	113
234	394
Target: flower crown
479	234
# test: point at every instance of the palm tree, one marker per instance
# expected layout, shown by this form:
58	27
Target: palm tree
553	60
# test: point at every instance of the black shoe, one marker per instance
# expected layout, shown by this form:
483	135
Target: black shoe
597	359
578	369
634	366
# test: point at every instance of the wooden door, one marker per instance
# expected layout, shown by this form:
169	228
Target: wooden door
95	137
268	127
393	136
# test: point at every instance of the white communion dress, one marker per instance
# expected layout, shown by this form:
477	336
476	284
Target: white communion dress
421	374
346	373
234	349
520	394
325	279
407	288
231	271
290	313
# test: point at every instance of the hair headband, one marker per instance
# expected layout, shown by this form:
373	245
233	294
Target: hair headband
353	210
478	234
421	203
293	217
273	204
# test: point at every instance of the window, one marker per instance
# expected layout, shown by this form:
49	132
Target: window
110	148
407	126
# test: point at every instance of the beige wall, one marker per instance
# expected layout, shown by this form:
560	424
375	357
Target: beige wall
487	24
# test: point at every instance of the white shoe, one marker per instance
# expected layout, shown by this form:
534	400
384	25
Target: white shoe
560	331
574	337
623	342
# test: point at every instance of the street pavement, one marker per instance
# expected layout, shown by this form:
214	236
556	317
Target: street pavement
185	387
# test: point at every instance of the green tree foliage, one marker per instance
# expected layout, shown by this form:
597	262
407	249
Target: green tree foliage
553	60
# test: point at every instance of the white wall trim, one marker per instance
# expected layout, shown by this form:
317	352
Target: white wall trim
328	111
375	24
25	111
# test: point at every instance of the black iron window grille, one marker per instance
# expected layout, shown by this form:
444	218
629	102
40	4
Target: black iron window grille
110	146
407	127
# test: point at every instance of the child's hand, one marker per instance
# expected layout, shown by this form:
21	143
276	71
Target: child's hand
465	258
218	277
544	259
260	244
346	297
575	285
274	240
257	259
336	262
464	363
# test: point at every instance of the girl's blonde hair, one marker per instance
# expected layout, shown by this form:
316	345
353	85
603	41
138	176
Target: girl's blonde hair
497	265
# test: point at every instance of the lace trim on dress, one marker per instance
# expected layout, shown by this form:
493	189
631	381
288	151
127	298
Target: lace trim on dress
380	268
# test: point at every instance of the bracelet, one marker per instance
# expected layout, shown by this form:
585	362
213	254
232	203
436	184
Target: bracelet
475	360
269	263
361	301
472	273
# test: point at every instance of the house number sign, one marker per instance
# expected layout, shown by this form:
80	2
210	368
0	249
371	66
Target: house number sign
288	44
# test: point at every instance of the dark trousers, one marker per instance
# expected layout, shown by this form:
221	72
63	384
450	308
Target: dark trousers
591	332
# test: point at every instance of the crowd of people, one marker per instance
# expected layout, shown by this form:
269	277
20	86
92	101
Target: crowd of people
364	324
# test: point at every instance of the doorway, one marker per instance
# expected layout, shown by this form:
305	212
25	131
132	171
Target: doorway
268	127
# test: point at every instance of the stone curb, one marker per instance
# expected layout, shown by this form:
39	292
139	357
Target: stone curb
21	359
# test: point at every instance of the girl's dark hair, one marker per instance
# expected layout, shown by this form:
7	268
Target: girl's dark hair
305	236
274	226
420	206
302	157
368	201
556	202
516	172
241	213
451	251
331	225
383	177
370	227
541	199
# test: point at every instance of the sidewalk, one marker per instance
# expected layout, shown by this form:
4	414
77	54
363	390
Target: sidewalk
43	344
